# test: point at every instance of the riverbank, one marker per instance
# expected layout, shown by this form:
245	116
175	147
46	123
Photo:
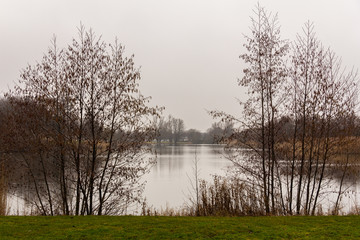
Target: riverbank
131	227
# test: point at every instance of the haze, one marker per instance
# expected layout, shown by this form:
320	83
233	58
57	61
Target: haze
188	50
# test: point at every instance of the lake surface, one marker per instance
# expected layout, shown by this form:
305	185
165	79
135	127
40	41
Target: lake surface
169	180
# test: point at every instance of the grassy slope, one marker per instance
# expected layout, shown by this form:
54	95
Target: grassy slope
107	227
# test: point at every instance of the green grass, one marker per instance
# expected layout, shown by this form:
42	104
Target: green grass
128	227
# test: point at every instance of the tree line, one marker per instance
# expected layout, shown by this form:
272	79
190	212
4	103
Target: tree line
171	130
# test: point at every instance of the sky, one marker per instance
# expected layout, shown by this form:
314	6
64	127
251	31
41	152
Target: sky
188	50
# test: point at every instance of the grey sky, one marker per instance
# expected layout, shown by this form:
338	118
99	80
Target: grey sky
188	50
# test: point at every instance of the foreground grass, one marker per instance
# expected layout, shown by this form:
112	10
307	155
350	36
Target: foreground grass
128	227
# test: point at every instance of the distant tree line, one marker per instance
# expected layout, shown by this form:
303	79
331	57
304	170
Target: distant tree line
171	130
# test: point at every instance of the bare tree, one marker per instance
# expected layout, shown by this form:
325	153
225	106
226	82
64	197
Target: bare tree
264	77
96	124
163	129
323	93
177	127
297	120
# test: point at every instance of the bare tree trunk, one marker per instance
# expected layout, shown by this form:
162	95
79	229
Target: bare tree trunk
309	171
338	199
42	209
46	184
266	196
64	184
321	175
298	200
293	151
78	150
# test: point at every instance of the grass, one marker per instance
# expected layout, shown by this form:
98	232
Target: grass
131	227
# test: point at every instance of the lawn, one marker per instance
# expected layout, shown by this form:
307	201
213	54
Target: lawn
132	227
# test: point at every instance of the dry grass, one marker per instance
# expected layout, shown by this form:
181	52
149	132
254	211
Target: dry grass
221	197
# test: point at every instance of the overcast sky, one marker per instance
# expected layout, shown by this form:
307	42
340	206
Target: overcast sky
188	50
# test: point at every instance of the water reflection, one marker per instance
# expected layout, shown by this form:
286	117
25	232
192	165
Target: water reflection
169	181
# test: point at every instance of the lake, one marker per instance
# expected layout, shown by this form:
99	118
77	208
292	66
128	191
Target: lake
169	180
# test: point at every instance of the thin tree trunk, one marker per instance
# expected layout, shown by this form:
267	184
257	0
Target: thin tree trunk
46	184
321	176
36	186
307	202
337	203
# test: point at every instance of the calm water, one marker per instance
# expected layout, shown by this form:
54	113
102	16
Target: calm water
168	183
169	180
